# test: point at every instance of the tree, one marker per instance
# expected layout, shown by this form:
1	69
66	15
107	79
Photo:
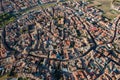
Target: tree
21	78
57	73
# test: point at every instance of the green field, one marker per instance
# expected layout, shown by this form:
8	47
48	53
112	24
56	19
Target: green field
105	5
3	77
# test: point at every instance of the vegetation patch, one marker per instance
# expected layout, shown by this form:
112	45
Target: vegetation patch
105	5
6	18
